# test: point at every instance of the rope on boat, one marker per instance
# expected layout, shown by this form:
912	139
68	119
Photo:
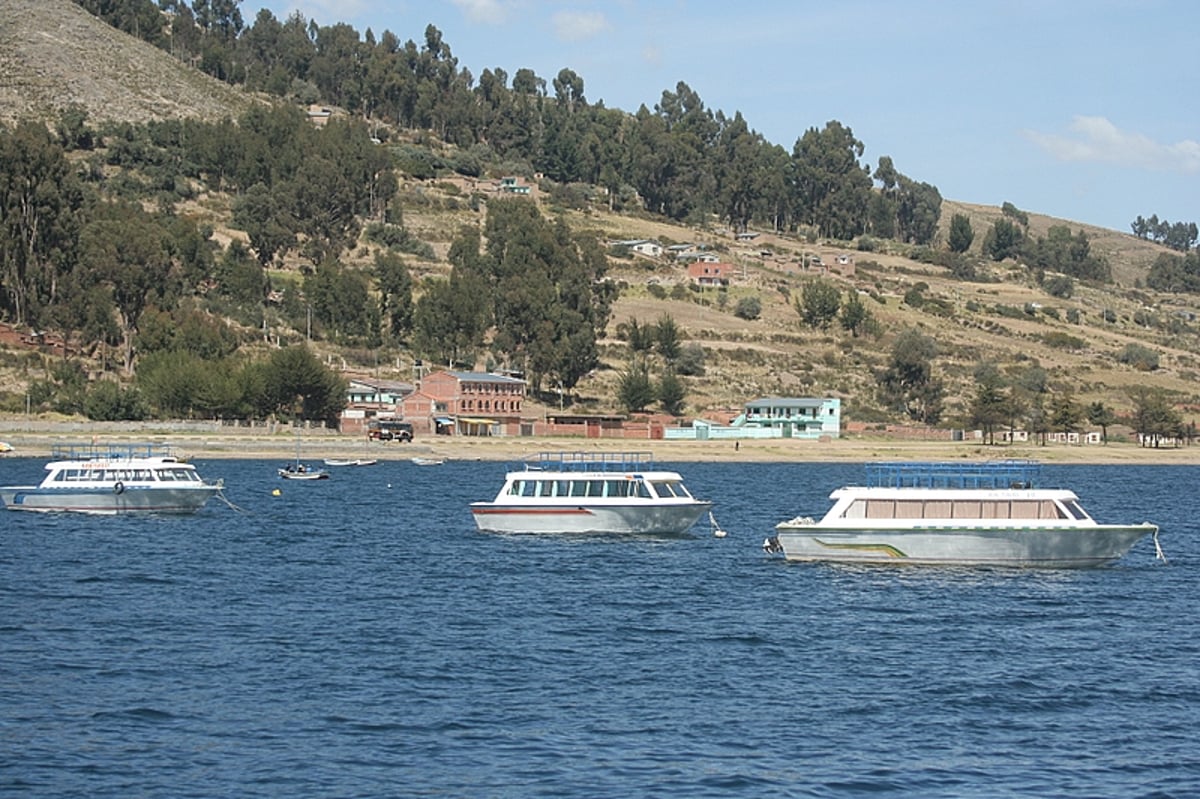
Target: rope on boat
1158	553
716	528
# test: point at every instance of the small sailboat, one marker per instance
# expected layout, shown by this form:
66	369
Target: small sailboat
301	471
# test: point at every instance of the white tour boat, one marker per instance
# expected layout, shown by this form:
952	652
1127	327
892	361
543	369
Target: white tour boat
979	514
113	479
581	492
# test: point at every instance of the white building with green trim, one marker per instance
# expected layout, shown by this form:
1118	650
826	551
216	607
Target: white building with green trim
771	417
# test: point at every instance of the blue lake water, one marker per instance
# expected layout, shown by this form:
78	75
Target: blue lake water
357	637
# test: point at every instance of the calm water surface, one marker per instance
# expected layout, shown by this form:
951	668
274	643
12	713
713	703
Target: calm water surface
357	637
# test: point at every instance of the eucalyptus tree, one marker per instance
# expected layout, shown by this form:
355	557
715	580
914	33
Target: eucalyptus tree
41	205
908	384
124	248
395	286
832	188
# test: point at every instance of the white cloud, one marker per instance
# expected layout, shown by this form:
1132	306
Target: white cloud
575	26
1097	139
485	11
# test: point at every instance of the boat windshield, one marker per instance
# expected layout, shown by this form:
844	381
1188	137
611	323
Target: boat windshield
670	488
1075	510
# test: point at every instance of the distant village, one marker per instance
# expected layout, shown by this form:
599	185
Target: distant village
456	403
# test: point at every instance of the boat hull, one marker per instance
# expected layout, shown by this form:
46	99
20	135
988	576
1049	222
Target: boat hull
1020	546
628	519
107	502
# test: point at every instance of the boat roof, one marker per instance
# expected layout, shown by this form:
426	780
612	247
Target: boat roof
999	474
62	455
949	493
591	463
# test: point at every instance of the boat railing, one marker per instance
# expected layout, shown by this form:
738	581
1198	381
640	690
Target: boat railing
111	452
1013	473
593	461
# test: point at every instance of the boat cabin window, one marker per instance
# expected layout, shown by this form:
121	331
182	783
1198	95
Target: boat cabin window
178	475
958	509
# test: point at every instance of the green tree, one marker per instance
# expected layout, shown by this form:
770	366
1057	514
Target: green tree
301	387
40	202
833	189
124	247
908	383
396	293
640	337
918	212
666	338
635	390
261	214
1100	414
107	401
961	233
671	393
1003	240
855	316
1153	418
818	303
1066	415
450	320
988	408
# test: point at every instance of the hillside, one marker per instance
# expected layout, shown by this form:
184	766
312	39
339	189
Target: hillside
52	54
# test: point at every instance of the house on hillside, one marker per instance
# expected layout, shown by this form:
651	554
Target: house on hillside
703	273
645	247
514	185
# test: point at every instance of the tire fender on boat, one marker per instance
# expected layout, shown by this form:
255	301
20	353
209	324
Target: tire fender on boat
118	487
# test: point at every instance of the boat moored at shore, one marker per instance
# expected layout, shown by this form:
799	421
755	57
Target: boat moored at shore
976	514
597	493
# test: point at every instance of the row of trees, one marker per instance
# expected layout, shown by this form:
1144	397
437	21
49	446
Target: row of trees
1178	236
536	286
1020	403
289	383
684	160
87	254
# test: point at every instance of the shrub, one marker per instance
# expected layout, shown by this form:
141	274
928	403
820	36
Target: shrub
1139	356
748	308
1064	341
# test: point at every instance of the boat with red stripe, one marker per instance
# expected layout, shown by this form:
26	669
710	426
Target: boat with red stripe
592	493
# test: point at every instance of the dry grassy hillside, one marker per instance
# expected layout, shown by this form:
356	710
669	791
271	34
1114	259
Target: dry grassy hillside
53	54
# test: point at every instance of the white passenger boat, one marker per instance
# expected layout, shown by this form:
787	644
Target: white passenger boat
985	514
114	479
579	492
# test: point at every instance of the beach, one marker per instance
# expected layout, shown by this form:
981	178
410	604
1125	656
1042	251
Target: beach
195	441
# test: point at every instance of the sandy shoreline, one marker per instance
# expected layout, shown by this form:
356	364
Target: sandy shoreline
862	449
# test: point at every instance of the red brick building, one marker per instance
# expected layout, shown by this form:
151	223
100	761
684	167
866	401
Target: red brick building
470	403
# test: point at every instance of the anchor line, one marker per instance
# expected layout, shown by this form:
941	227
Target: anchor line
223	498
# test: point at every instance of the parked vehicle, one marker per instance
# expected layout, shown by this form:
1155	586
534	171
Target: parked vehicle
390	430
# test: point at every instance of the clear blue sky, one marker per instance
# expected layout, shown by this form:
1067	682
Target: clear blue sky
1081	110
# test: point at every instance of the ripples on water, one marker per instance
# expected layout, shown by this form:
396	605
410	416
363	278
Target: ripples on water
357	637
